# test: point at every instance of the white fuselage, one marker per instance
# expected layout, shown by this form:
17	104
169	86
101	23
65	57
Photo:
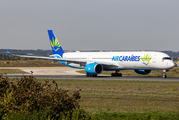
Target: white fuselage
123	60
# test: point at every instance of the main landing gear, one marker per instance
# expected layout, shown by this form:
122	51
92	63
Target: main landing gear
164	74
116	74
91	75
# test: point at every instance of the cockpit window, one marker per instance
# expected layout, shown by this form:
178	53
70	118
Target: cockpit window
166	58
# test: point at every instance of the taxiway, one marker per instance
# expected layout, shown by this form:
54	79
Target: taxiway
70	73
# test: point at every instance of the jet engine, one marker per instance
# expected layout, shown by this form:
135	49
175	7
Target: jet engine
94	68
143	72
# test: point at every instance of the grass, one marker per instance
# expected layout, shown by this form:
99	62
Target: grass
30	63
11	71
135	116
99	96
174	72
43	115
120	99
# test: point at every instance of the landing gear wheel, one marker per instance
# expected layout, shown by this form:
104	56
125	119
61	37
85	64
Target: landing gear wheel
116	74
94	76
120	74
112	74
90	75
164	76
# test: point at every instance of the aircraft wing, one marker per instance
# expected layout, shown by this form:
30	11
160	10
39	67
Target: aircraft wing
48	58
78	61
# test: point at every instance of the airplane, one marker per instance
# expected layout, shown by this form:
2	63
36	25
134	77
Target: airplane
94	63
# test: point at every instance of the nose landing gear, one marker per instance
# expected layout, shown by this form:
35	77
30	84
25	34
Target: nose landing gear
164	74
116	74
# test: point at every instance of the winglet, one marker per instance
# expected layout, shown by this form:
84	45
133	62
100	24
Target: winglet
7	52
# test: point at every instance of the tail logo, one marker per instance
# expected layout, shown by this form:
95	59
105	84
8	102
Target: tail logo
55	45
146	59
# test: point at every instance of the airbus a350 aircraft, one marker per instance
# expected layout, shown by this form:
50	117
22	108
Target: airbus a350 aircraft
96	62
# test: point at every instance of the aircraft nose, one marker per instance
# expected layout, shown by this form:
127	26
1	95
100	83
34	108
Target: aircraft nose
171	64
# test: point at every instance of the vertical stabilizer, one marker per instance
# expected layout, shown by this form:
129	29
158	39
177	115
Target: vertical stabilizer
56	47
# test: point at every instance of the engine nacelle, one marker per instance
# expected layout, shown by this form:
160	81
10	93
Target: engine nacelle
143	72
94	68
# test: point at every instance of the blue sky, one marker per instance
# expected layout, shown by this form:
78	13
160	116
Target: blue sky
90	24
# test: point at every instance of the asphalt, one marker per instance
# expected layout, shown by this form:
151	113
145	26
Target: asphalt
70	73
100	77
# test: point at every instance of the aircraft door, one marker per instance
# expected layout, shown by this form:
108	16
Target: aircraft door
154	58
89	58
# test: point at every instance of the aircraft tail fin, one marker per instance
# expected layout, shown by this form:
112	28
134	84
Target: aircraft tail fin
7	52
56	47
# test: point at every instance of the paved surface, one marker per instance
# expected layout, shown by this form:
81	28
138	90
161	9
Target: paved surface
70	73
101	77
47	70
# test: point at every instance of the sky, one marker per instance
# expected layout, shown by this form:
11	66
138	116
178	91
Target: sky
90	24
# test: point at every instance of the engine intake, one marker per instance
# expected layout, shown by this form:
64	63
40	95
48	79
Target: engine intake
94	68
